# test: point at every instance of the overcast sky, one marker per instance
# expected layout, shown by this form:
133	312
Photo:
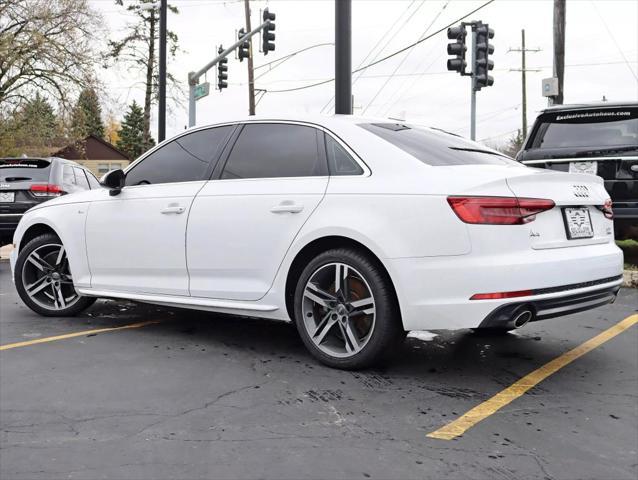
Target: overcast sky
601	59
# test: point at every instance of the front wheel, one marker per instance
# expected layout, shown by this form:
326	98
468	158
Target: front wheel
44	281
346	311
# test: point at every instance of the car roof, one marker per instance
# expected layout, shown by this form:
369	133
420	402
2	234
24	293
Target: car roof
589	106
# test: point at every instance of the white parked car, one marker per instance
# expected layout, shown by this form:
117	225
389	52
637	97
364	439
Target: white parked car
358	230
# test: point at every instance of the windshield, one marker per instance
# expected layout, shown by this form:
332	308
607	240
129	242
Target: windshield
616	127
24	170
434	148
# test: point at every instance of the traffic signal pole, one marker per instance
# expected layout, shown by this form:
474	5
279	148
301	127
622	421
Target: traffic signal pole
193	77
473	88
343	57
524	71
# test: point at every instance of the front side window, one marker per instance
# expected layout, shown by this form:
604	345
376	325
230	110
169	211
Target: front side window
92	180
185	159
339	161
81	178
275	150
436	148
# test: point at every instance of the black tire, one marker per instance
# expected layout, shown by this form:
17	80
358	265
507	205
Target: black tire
78	306
387	332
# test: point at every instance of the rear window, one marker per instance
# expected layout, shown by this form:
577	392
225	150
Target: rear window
616	127
434	148
24	170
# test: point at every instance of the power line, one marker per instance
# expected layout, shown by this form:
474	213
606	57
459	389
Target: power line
387	57
614	40
425	32
287	57
403	91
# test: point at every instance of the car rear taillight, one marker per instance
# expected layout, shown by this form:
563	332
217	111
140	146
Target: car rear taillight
607	209
46	190
498	210
501	295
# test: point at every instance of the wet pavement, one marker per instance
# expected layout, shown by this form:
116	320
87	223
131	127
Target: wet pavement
202	395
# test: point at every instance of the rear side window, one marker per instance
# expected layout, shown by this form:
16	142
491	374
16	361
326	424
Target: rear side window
275	150
15	170
185	159
436	148
617	127
339	161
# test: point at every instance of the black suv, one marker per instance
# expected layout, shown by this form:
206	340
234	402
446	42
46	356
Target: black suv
601	139
25	182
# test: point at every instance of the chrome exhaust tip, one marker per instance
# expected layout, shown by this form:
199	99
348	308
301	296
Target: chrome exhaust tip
522	318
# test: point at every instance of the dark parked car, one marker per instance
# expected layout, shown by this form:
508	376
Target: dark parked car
25	182
601	139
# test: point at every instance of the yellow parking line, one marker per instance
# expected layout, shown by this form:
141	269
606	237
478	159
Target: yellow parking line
480	412
76	334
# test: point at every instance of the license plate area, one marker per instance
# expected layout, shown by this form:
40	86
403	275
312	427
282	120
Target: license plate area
577	223
7	197
590	167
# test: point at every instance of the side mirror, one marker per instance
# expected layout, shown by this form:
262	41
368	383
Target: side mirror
114	181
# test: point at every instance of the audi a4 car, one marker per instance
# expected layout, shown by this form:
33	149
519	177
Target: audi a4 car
358	230
26	182
599	139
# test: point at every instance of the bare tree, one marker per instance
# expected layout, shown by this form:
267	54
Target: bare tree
46	47
138	50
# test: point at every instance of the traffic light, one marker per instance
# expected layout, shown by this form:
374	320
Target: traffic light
482	63
222	68
244	47
267	37
457	48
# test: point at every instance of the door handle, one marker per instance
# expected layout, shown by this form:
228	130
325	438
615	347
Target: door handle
287	207
173	209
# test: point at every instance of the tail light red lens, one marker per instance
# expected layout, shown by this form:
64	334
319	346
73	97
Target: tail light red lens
607	209
47	190
501	295
498	210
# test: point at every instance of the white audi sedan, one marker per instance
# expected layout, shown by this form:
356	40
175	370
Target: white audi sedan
356	229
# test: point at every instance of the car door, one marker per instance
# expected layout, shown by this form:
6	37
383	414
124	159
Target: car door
136	240
244	220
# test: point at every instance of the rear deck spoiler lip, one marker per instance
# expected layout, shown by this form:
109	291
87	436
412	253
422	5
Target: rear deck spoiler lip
578	159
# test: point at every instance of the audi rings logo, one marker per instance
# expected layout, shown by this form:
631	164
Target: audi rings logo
581	191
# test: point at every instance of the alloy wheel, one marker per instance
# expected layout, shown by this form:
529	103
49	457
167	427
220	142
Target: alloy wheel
47	279
338	310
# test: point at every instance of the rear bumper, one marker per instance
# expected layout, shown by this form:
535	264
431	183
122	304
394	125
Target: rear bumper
555	307
434	293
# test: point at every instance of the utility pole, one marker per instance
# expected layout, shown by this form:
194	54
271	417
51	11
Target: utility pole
559	48
251	72
523	71
161	120
343	57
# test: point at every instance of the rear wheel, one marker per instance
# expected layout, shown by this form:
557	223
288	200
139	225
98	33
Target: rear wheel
345	310
44	281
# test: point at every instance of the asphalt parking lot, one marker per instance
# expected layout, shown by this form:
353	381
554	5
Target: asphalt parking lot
199	395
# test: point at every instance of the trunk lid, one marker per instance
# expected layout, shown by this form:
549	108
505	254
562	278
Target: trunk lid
578	198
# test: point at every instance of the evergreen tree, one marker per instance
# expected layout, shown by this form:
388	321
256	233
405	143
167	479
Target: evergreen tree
131	140
32	130
87	116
